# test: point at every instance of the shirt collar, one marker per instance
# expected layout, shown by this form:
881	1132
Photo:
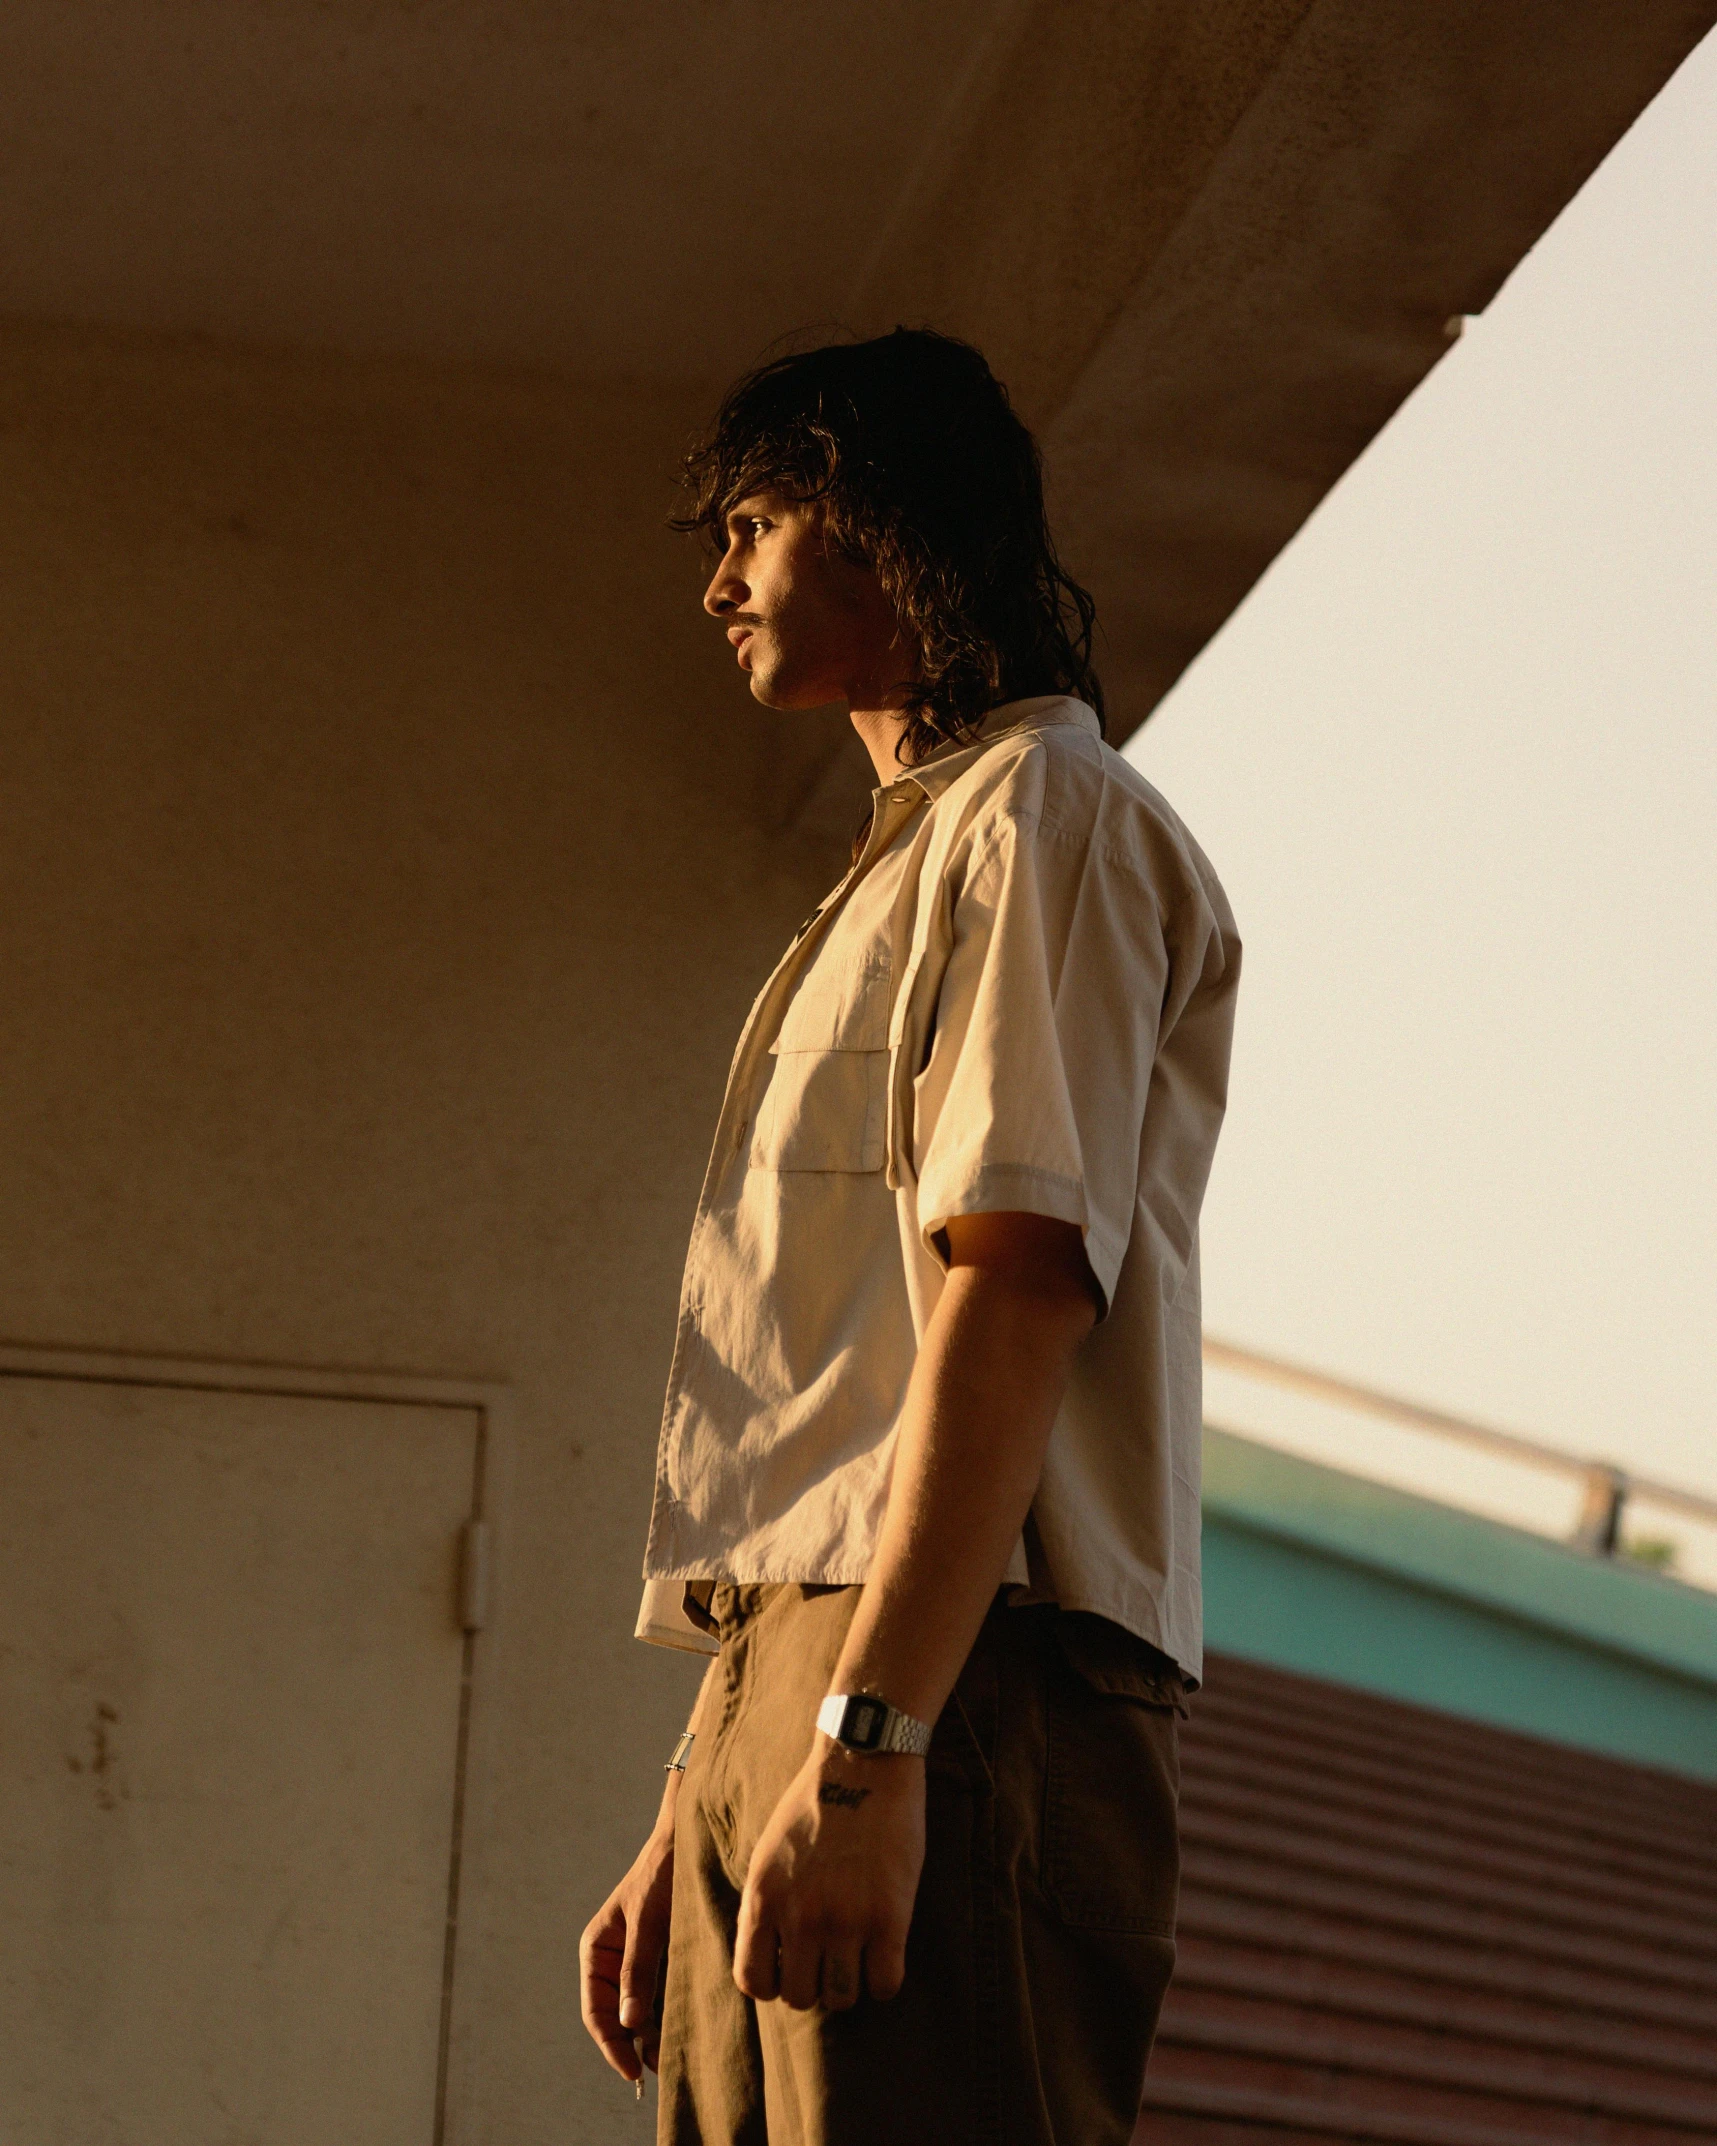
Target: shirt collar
944	768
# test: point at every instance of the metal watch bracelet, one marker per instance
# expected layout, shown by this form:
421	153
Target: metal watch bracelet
862	1721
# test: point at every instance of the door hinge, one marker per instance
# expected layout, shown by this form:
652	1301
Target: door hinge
474	1575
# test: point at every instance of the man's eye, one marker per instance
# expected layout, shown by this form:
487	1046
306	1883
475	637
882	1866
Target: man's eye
756	526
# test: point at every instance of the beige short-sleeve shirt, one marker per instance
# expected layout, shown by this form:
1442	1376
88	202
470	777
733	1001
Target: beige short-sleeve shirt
1020	997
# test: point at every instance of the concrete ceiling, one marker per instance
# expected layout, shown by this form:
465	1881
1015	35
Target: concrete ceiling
1211	248
650	189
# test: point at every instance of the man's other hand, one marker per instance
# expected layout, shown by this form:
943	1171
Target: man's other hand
829	1892
620	1959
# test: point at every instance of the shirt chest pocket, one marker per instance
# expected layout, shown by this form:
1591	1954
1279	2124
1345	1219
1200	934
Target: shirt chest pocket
826	1105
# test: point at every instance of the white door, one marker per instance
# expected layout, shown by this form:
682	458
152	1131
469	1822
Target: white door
230	1712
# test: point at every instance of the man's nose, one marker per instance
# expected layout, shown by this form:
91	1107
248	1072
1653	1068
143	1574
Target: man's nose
726	592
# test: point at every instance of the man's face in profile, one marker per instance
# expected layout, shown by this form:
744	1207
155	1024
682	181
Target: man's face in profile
808	625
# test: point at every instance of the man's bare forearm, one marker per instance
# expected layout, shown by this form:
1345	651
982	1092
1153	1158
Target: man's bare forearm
991	1372
829	1891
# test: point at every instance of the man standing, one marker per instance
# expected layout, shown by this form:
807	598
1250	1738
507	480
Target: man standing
928	1474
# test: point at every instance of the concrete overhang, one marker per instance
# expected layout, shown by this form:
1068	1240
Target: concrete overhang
1211	249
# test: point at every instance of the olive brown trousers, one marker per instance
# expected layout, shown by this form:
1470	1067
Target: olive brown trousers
1042	1939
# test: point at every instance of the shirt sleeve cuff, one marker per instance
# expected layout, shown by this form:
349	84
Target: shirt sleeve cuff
1020	1188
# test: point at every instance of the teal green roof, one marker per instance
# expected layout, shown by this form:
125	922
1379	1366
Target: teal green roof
1324	1572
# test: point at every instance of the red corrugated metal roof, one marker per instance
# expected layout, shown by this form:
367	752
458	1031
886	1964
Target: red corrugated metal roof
1401	1927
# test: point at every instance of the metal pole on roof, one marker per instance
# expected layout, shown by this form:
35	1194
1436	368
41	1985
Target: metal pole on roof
1607	1486
1599	1527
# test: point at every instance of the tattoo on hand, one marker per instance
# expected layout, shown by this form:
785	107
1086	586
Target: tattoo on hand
848	1799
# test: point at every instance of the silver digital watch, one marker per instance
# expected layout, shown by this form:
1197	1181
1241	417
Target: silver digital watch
860	1721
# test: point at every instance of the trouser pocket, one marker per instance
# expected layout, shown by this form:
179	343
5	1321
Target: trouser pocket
1111	1852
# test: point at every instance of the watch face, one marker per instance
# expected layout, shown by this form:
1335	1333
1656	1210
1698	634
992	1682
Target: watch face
861	1724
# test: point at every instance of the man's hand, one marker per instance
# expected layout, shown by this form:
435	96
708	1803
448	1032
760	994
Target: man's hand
620	1957
829	1893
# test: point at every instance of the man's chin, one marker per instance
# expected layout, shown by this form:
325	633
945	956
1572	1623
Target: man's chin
774	691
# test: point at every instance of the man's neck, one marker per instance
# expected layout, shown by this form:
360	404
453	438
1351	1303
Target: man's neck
881	730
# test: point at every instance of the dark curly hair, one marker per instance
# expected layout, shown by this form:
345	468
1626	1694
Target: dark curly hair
925	475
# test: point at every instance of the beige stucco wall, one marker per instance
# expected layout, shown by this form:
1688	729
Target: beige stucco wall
390	857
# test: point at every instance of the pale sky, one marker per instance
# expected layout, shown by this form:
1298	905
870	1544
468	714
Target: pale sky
1455	760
